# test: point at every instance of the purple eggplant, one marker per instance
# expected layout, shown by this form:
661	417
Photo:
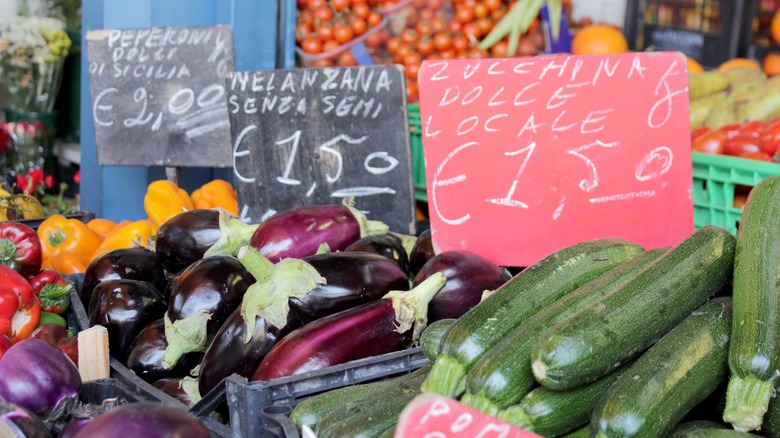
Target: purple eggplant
300	231
183	389
124	307
389	324
183	239
38	376
127	263
468	276
202	297
335	282
21	422
421	252
145	357
146	419
388	245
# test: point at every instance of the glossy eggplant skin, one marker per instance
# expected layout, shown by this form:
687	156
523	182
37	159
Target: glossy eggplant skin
172	386
359	332
124	307
299	231
468	276
215	284
184	238
352	278
127	263
145	357
229	354
421	252
387	245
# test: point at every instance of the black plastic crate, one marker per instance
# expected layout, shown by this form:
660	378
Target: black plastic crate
708	31
262	408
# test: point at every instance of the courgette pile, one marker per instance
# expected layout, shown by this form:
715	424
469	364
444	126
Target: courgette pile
605	339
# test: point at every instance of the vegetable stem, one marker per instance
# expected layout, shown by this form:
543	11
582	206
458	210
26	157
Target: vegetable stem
516	415
480	403
411	307
234	234
447	377
184	336
258	265
747	399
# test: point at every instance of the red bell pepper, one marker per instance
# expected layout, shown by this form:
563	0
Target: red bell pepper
20	248
9	304
26	317
52	290
59	337
5	344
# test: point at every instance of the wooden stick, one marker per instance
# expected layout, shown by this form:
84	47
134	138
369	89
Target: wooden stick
93	353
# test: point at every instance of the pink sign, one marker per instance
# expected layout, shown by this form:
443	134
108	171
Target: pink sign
525	156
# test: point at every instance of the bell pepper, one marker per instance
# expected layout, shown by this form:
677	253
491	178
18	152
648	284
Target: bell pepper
20	248
9	304
100	226
26	317
58	336
67	263
59	234
52	290
217	193
5	344
138	233
51	318
164	200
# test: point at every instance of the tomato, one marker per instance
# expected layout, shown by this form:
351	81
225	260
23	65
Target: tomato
330	46
314	4
770	138
741	144
497	15
455	27
362	10
346	59
412	70
438	24
358	25
343	33
756	155
409	36
411	91
471	30
322	62
481	10
302	30
754	128
393	44
442	41
701	130
424	27
325	32
730	130
323	13
499	50
311	45
425	46
485	25
493	5
373	19
713	142
464	14
340	5
374	40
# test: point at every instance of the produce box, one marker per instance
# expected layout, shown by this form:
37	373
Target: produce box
757	39
418	159
716	180
262	408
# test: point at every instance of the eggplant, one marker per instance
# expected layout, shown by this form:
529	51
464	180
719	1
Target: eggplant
84	413
390	324
21	422
300	231
388	245
468	276
183	389
333	282
145	357
38	376
183	239
124	307
128	263
145	419
202	297
422	251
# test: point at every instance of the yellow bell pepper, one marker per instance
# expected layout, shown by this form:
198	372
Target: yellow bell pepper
138	233
164	200
67	263
101	227
60	234
217	193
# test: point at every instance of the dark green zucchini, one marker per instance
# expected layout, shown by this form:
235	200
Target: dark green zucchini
754	354
620	326
683	429
583	432
431	337
526	293
312	410
668	380
771	425
714	433
502	376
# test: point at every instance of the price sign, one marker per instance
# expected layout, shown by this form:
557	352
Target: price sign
525	156
315	136
158	95
434	416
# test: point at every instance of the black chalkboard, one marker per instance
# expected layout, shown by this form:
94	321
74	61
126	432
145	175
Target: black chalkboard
314	136
158	95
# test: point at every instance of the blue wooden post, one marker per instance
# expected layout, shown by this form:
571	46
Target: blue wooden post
116	193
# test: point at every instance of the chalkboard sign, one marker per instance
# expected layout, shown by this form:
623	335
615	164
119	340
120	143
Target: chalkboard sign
525	156
314	136
158	95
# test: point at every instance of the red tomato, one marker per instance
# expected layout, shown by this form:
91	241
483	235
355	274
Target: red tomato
713	142
754	128
698	132
742	144
770	138
757	155
730	130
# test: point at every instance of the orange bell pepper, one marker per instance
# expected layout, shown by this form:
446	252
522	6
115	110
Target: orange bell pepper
131	234
164	200
101	227
60	234
67	263
217	193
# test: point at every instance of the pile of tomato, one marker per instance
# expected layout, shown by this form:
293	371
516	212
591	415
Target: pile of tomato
755	140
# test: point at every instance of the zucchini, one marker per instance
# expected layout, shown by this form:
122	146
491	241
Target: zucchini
754	354
714	433
311	411
526	293
683	429
430	339
502	376
583	432
771	425
621	325
553	413
668	380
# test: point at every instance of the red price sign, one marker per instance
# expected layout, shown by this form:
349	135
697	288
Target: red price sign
525	156
434	416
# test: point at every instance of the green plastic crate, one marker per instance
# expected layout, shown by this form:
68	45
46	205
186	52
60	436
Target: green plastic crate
714	180
418	160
